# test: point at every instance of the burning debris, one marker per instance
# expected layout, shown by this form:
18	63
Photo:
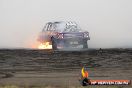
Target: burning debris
63	36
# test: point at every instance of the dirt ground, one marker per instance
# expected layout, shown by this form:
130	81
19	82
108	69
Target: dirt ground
62	68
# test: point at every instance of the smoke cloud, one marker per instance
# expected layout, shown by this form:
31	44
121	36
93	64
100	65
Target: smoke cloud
109	22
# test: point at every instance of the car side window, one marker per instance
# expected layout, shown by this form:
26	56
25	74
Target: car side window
52	27
45	27
48	27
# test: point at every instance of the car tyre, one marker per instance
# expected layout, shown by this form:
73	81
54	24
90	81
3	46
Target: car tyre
54	45
85	45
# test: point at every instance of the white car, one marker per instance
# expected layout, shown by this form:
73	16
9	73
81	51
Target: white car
64	36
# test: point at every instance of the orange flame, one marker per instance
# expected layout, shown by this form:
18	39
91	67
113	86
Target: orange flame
84	73
45	45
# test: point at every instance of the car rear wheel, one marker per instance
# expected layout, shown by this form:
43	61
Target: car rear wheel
54	44
85	45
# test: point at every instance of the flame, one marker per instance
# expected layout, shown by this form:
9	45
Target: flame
45	45
84	73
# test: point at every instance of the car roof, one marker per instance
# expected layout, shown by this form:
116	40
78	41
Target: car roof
62	26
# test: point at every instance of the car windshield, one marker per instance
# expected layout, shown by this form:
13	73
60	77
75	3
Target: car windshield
67	27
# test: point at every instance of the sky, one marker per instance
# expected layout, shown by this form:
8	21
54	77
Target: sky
109	22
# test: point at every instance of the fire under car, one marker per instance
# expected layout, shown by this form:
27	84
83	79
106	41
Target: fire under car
63	36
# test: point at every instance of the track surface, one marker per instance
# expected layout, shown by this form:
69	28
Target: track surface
44	67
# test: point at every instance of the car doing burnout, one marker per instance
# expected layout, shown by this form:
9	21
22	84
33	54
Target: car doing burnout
64	36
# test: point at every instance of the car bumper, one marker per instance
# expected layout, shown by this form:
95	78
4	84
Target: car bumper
71	43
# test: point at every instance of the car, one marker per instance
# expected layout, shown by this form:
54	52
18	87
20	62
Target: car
64	36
